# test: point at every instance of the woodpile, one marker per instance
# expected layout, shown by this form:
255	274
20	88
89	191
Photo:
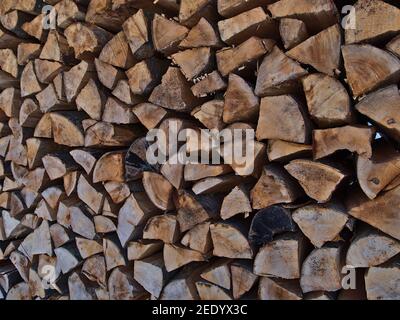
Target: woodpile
85	215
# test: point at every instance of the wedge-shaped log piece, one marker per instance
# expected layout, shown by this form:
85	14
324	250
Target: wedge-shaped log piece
56	48
89	194
217	184
123	286
151	274
118	191
278	74
191	11
327	100
35	27
193	62
292	31
283	118
218	273
209	291
8	40
381	283
387	115
368	68
236	202
142	249
229	8
174	92
29	114
113	253
10	102
210	113
246	54
394	46
49	101
29	82
240	102
230	242
209	85
321	270
243	278
282	151
201	35
94	268
380	212
269	222
8	62
104	224
117	52
67	257
317	14
68	12
167	34
144	76
110	167
87	40
321	223
376	173
137	32
198	238
88	248
75	79
123	93
41	240
158	189
27	52
103	134
274	186
20	291
91	100
352	138
281	258
108	75
163	227
254	22
318	180
149	114
193	209
78	290
67	128
58	164
176	256
367	28
321	51
279	289
81	222
371	248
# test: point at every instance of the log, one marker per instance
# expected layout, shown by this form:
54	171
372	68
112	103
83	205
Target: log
186	62
198	238
327	100
274	186
175	257
203	34
268	223
318	180
383	65
141	250
380	283
278	74
229	242
321	223
321	270
208	291
163	227
158	189
283	151
354	139
292	32
277	289
385	117
243	278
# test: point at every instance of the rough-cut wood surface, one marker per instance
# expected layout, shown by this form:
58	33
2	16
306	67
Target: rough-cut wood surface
81	201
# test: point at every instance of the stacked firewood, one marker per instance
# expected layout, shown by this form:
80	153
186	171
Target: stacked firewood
85	215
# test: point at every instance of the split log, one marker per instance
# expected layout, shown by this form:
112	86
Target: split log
386	116
278	289
243	278
110	167
274	186
123	286
113	253
321	223
211	84
67	128
318	180
282	151
58	164
218	273
254	22
208	291
76	78
376	173
317	15
229	242
141	250
292	31
236	202
158	189
108	75
383	68
268	223
354	139
163	227
88	248
321	270
198	238
281	258
366	29
371	248
379	212
94	268
151	274
176	257
380	283
117	52
27	52
203	34
278	74
149	114
327	100
244	55
29	82
81	221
